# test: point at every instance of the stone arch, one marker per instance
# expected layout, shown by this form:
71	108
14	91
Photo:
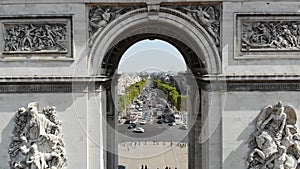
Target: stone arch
187	35
167	24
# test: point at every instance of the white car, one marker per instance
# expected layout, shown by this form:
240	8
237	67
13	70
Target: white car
184	127
143	122
139	130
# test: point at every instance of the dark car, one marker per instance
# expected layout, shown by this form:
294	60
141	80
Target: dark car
160	121
132	125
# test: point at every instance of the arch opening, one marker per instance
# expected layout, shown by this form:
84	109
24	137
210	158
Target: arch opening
159	108
113	57
151	55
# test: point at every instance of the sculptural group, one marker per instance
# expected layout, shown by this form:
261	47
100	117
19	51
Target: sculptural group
274	35
37	139
276	142
35	37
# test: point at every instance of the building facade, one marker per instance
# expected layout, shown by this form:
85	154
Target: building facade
242	55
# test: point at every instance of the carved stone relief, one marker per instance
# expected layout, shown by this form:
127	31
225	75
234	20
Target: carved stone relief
37	139
267	35
276	142
100	16
207	16
275	35
36	36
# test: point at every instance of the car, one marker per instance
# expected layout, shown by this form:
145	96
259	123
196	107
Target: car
143	122
131	125
140	109
184	127
160	121
139	114
139	130
172	124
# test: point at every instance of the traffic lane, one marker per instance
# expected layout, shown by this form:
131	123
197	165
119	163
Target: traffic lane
154	131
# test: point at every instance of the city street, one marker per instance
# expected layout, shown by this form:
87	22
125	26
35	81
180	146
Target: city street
160	145
153	130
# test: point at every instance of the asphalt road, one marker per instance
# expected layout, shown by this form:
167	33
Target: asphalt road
153	130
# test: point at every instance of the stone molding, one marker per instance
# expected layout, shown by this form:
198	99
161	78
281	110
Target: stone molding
52	84
262	35
99	84
52	79
37	37
250	83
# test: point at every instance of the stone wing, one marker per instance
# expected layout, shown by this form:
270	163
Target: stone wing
291	115
263	115
211	12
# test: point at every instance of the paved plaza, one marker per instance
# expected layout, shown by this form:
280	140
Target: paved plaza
155	155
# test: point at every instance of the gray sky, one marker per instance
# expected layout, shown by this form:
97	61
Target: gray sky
152	55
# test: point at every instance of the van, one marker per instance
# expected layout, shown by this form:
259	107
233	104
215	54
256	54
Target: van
177	119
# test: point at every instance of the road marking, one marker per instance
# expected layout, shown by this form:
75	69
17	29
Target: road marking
177	164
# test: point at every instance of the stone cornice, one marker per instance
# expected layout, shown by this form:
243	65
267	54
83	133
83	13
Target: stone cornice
256	78
67	84
53	84
250	83
52	79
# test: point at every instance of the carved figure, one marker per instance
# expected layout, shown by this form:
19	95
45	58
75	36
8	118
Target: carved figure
266	146
37	141
207	18
28	33
100	16
276	122
275	143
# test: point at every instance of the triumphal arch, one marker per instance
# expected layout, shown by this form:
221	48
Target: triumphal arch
58	62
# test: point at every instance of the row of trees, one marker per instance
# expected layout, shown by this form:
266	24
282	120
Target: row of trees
131	91
179	101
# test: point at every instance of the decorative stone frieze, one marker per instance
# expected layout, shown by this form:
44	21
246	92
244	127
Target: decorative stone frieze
262	35
37	139
276	142
101	16
36	37
207	16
